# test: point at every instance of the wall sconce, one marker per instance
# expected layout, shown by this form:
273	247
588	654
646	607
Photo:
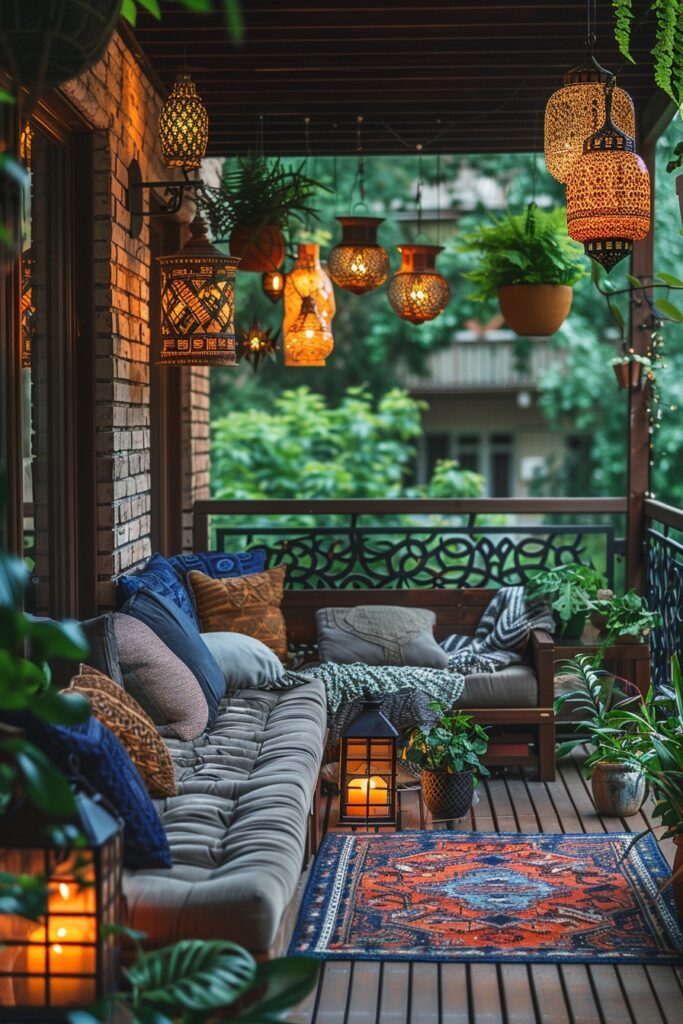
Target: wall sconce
367	769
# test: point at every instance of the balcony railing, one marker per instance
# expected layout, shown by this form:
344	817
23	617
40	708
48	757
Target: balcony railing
665	584
484	365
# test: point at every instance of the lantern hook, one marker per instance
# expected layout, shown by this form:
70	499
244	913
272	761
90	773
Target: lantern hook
169	196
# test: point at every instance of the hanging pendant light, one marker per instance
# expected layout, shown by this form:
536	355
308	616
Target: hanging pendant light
197	304
358	264
309	341
273	284
256	343
183	126
417	292
608	194
308	278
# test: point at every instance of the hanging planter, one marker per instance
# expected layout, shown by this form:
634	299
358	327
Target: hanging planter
630	370
536	310
259	249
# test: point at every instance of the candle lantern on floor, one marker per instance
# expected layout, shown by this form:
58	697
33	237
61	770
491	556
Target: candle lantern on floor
63	960
367	769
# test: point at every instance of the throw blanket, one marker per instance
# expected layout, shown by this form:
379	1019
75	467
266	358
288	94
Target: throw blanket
501	636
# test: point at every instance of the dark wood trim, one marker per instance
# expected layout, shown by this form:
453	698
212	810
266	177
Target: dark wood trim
454	506
667	515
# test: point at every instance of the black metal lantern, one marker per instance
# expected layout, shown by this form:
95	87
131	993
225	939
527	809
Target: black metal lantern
367	769
64	960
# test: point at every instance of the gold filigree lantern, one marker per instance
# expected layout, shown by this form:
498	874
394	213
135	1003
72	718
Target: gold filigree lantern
417	292
183	126
608	194
197	304
576	111
308	278
309	341
359	264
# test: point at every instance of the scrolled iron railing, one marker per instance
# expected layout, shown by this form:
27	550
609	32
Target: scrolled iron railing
665	585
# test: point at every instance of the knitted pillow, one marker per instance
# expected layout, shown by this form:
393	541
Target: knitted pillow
245	604
159	576
134	728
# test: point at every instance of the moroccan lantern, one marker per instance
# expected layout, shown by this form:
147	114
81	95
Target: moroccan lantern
256	342
576	111
66	958
273	284
197	304
608	194
309	341
28	311
367	769
417	292
308	278
358	264
183	126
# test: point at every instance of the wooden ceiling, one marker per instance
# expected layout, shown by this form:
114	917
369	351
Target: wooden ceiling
456	77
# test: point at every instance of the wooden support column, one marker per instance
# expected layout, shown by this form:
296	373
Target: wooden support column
638	453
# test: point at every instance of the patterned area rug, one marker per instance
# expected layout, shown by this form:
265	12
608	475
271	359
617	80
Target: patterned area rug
488	898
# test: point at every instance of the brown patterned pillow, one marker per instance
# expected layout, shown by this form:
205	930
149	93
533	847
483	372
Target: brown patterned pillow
121	713
243	604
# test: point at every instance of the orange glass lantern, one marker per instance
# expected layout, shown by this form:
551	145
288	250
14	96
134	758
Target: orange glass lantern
64	960
308	278
273	284
197	304
608	194
309	341
367	769
183	126
417	292
358	264
576	111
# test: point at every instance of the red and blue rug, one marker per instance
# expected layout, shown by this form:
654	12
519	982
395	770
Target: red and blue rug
489	898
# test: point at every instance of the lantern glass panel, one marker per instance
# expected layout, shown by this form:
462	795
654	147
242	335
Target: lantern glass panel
572	114
367	784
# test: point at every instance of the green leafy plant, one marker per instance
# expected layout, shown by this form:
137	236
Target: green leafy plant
455	743
525	248
627	616
668	49
569	589
232	10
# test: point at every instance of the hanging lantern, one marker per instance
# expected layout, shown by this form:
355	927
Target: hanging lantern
608	194
183	126
273	284
358	264
308	278
64	959
576	111
367	769
257	342
309	341
197	304
417	293
29	314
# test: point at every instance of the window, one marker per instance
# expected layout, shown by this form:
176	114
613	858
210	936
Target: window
500	460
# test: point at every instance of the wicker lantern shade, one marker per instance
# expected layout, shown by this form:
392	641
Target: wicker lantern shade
576	111
197	304
367	769
309	341
358	264
273	284
308	278
417	292
608	196
183	126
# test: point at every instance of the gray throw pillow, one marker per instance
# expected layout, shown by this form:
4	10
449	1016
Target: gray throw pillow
245	662
379	635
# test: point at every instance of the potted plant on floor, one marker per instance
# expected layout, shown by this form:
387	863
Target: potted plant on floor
530	263
448	754
570	591
626	620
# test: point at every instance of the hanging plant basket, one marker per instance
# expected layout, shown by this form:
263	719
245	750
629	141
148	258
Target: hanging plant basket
259	249
535	310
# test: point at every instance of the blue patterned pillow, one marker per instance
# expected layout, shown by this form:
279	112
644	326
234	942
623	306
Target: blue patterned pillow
221	564
160	577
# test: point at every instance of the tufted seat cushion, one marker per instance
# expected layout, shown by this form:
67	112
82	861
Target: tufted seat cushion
512	687
237	828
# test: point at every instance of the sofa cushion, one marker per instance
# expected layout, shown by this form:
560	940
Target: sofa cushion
182	637
220	565
159	576
245	661
248	604
513	687
159	681
379	635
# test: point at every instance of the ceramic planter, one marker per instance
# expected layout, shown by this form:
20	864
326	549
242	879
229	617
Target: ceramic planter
259	249
447	794
573	629
537	310
618	789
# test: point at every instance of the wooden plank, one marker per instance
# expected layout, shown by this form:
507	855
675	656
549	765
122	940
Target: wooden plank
668	992
522	805
576	982
334	989
395	992
455	1004
487	1006
610	994
515	980
424	994
503	812
550	999
639	994
364	992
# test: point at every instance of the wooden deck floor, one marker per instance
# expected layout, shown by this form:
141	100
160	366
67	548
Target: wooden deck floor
363	992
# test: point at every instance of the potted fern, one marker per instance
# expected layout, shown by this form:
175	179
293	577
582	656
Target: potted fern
530	263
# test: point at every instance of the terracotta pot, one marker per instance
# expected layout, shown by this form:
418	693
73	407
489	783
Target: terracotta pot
677	884
622	371
259	249
618	789
635	374
535	309
447	795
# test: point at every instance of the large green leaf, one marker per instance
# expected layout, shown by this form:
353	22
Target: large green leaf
45	785
668	308
57	639
287	982
193	974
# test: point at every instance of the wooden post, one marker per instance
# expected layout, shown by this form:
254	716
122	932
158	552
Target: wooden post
638	453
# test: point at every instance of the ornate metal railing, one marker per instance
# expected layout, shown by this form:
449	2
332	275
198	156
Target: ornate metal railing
665	584
416	543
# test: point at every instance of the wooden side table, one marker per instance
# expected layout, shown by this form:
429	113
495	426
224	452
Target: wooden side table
630	661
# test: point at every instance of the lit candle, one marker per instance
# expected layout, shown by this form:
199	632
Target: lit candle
70	950
366	793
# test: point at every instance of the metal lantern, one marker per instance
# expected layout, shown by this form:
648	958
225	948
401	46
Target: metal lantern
608	194
308	278
29	313
256	342
358	264
183	126
273	284
367	769
417	292
197	304
64	960
576	111
309	341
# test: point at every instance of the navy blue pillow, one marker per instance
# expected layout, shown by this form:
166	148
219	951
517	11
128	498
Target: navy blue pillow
183	639
160	577
104	762
221	564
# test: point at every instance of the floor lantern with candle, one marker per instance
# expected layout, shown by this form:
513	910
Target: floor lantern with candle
367	769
